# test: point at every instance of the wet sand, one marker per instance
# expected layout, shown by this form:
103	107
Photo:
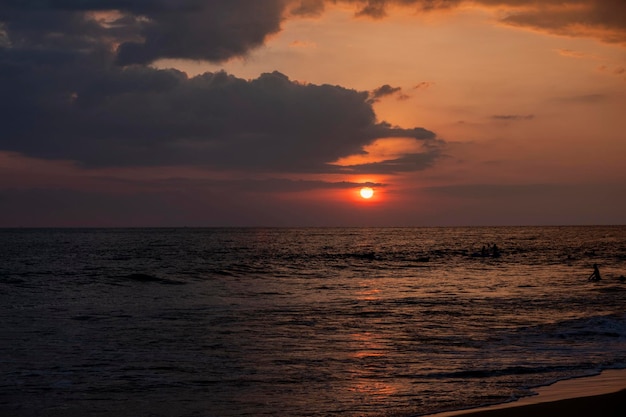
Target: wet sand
601	395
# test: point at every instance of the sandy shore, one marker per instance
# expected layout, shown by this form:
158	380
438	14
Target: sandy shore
602	395
607	405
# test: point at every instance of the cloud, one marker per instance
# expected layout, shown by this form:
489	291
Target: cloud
383	91
143	31
77	106
406	163
423	85
378	8
600	19
75	85
513	117
210	30
308	7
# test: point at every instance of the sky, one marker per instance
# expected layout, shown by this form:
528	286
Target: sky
170	113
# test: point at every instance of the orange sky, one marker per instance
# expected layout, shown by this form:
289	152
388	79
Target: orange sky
529	116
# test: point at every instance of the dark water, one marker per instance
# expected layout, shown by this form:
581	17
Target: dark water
301	322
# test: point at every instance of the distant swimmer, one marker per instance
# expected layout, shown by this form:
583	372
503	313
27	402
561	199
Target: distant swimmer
595	275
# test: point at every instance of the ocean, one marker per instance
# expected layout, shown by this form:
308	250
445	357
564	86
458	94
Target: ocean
302	322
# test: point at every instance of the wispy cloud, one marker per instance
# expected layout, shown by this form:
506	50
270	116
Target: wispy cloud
571	54
513	117
423	85
386	90
600	19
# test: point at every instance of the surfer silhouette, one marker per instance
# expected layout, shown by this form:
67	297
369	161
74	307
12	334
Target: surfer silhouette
595	275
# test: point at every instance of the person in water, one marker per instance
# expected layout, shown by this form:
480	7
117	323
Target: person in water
595	275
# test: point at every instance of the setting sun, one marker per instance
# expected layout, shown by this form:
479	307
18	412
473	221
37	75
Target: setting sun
366	192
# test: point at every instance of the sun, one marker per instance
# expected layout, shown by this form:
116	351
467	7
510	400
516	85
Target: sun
366	193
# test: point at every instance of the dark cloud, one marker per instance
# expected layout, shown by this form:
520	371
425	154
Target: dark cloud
142	31
74	86
378	8
423	85
145	30
211	30
383	91
602	19
63	94
76	106
308	7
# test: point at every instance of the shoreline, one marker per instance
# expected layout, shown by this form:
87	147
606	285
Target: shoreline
605	393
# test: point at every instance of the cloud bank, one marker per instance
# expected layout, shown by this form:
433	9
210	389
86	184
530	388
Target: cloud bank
146	117
601	19
142	31
75	83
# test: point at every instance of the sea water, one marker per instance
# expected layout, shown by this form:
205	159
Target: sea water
302	322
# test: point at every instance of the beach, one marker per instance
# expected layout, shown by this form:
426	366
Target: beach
607	405
600	395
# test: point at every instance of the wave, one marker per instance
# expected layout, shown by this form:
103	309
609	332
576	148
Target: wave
606	326
146	278
498	372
